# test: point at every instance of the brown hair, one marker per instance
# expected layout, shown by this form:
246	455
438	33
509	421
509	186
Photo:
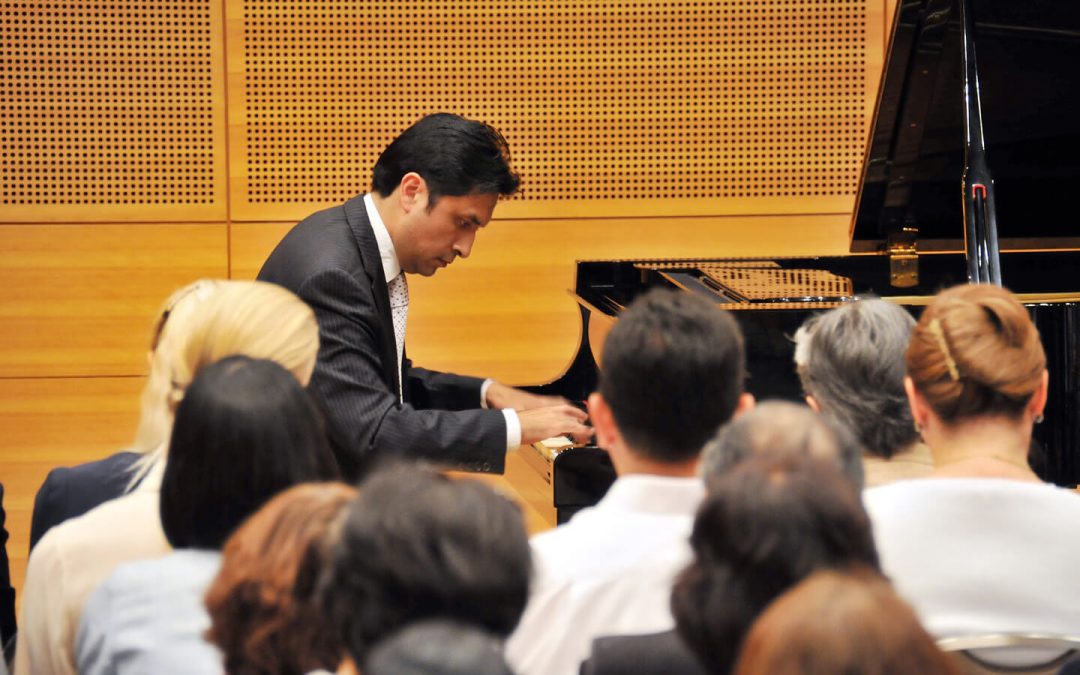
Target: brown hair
975	352
262	606
841	623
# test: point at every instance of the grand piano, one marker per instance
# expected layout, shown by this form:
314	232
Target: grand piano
972	173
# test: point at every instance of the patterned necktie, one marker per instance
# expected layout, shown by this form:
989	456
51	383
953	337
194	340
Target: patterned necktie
399	310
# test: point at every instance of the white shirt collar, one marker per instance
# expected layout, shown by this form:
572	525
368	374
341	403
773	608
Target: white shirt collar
390	265
646	493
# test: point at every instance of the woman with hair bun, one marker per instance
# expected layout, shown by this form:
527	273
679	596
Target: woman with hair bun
983	545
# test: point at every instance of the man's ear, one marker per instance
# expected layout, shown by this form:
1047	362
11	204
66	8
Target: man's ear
1038	398
603	421
746	404
812	402
412	192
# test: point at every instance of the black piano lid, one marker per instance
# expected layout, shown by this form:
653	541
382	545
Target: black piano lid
1029	68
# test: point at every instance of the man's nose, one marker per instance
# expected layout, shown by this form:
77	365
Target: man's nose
463	246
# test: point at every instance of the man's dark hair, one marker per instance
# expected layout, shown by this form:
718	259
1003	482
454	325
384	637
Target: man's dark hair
673	371
767	524
417	545
438	647
781	427
244	431
455	156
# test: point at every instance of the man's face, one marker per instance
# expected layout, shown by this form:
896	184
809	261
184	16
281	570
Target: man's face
430	240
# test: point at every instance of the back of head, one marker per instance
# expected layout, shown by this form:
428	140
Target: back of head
253	318
455	156
781	428
674	368
245	431
975	352
438	647
767	524
263	612
172	323
841	623
851	360
418	545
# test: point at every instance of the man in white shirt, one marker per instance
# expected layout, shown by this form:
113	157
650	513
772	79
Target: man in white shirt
673	372
433	188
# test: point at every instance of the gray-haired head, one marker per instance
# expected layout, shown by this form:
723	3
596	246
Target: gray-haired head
438	647
781	428
851	360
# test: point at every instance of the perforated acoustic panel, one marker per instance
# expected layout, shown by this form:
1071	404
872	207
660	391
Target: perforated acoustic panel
112	110
611	107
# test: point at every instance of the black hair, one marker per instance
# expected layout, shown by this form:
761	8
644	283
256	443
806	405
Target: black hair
767	524
673	371
244	431
417	545
455	156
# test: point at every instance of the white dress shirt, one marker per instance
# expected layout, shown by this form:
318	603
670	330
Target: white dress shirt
149	617
980	555
392	268
609	571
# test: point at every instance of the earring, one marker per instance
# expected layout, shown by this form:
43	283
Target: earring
1039	419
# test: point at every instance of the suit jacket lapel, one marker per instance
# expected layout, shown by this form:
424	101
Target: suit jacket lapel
356	216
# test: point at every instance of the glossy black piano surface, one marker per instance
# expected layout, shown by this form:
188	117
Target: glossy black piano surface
908	227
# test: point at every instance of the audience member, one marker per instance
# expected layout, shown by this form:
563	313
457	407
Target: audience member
766	525
419	545
851	364
781	428
7	591
263	611
775	428
841	623
244	431
991	549
673	372
438	647
257	319
72	491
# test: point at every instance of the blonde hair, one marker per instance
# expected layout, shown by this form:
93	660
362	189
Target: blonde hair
173	319
252	318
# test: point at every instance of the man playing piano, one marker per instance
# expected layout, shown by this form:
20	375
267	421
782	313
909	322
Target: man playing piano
434	187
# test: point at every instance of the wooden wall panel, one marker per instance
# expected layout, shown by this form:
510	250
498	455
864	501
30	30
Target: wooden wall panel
612	108
79	300
56	422
112	111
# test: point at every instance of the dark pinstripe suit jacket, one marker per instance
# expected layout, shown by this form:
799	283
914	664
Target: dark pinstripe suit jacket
331	260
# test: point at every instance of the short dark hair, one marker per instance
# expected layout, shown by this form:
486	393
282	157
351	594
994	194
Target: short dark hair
418	545
438	647
851	360
781	427
455	156
673	371
767	524
244	431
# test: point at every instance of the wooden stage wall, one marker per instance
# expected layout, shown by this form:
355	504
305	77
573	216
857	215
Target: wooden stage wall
145	146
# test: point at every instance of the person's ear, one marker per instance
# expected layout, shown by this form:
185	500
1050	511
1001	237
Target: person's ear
412	192
603	421
920	409
1038	399
745	405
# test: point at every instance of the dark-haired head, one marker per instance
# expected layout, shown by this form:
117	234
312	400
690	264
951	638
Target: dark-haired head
781	428
851	364
455	156
975	352
438	647
417	545
244	431
767	524
673	371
